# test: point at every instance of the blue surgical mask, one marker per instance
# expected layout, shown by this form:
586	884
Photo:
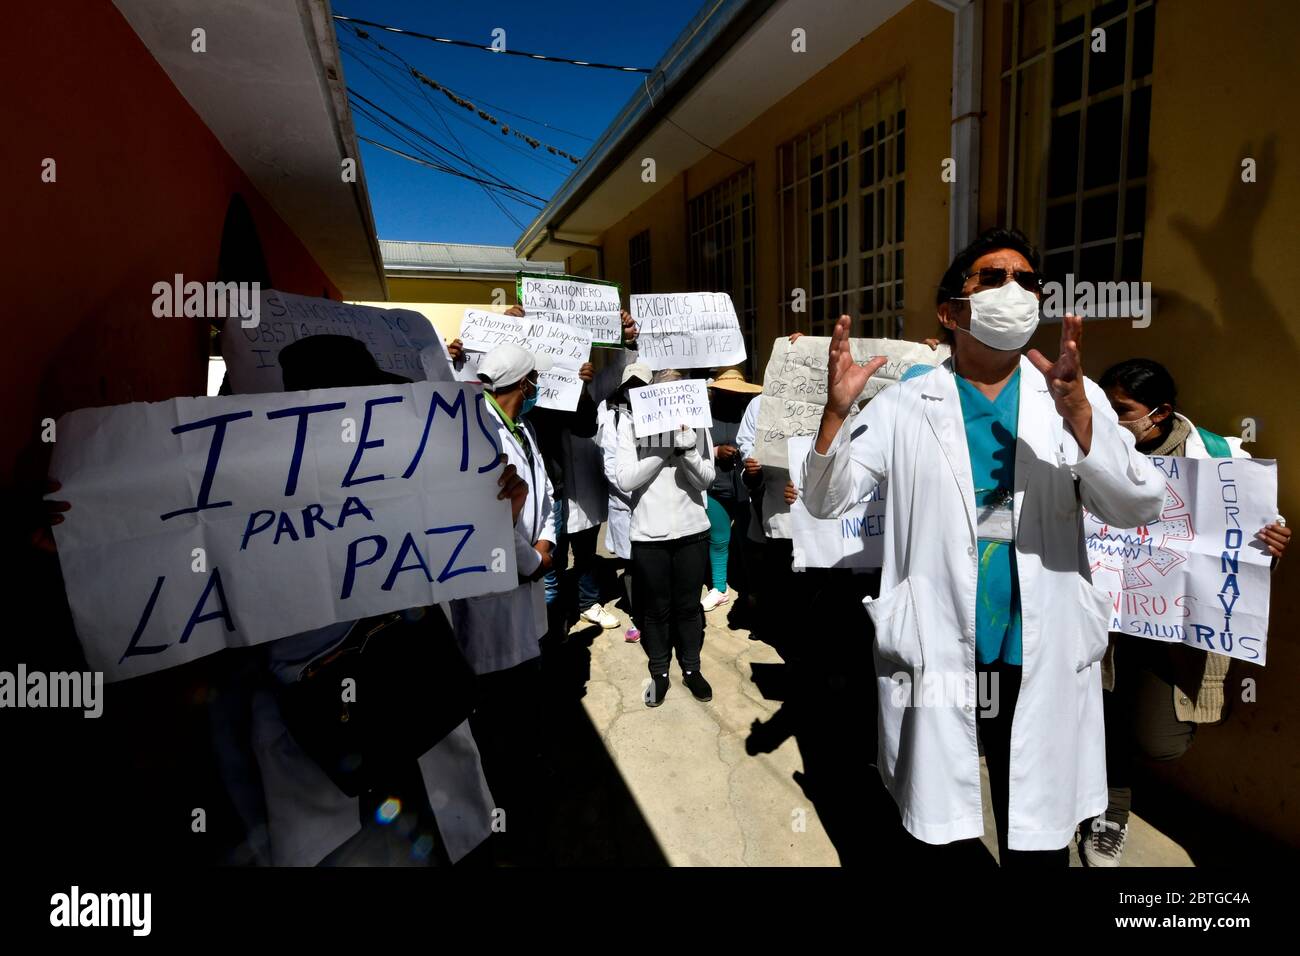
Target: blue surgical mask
529	402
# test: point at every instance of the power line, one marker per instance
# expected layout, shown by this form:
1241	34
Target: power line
440	168
405	125
364	55
488	49
466	104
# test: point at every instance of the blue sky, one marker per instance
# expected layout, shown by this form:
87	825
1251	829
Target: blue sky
415	202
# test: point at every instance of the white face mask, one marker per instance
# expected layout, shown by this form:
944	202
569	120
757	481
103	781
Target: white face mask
1003	318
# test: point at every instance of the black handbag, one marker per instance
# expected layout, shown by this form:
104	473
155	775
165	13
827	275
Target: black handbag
410	687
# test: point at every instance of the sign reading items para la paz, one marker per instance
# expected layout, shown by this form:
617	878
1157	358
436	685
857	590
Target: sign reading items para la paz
569	348
1197	576
402	341
687	330
589	305
670	405
204	523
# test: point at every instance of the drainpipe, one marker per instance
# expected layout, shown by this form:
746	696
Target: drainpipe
967	76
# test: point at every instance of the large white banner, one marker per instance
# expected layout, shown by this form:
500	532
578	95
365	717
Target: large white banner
569	348
1198	575
669	405
590	307
402	341
856	539
687	330
204	523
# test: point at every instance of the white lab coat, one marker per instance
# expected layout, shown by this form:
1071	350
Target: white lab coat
586	493
308	817
914	435
618	525
501	630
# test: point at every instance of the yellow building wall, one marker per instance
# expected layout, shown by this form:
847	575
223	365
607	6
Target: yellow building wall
1220	254
916	45
472	291
1221	257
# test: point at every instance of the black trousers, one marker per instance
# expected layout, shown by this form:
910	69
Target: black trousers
1003	681
1140	718
669	575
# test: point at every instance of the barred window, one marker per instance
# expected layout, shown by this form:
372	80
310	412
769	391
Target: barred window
1078	128
841	212
638	259
720	248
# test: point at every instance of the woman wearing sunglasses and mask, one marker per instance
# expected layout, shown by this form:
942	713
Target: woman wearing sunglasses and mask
985	590
1156	693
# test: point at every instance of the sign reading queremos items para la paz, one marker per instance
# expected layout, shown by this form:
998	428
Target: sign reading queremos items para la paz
402	341
856	539
204	523
687	330
569	348
589	306
1198	576
670	405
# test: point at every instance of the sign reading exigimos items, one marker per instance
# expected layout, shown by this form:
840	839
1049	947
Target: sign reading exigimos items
591	306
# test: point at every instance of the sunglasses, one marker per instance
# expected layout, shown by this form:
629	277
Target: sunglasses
993	277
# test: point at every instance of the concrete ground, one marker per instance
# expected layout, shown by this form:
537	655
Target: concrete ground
759	776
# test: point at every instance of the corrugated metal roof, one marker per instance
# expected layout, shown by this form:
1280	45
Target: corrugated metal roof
457	258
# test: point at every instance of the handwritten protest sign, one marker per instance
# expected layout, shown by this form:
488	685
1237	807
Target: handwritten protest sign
590	306
856	539
688	330
794	385
569	348
669	405
204	523
1198	575
400	340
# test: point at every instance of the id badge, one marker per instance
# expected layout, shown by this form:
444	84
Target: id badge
994	521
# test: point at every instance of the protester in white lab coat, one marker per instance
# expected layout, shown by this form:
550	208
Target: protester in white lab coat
441	808
667	477
618	528
500	633
1155	693
988	459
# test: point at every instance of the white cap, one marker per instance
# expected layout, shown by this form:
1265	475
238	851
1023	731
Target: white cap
507	364
637	370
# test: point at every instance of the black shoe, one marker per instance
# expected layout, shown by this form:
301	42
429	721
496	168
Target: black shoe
697	685
656	690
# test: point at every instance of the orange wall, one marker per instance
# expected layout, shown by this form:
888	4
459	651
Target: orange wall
141	194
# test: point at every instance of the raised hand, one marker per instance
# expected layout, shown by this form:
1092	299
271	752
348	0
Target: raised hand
845	378
1065	380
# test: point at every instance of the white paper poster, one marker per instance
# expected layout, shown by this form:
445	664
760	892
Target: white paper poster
856	539
1198	575
794	385
669	405
204	523
687	330
569	348
590	307
399	339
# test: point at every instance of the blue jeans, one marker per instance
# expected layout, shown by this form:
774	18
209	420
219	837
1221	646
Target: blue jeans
584	560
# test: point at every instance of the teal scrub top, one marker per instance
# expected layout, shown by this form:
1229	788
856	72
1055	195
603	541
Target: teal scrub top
991	437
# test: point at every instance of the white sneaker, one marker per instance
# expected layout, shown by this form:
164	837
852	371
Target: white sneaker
714	598
1103	842
598	615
